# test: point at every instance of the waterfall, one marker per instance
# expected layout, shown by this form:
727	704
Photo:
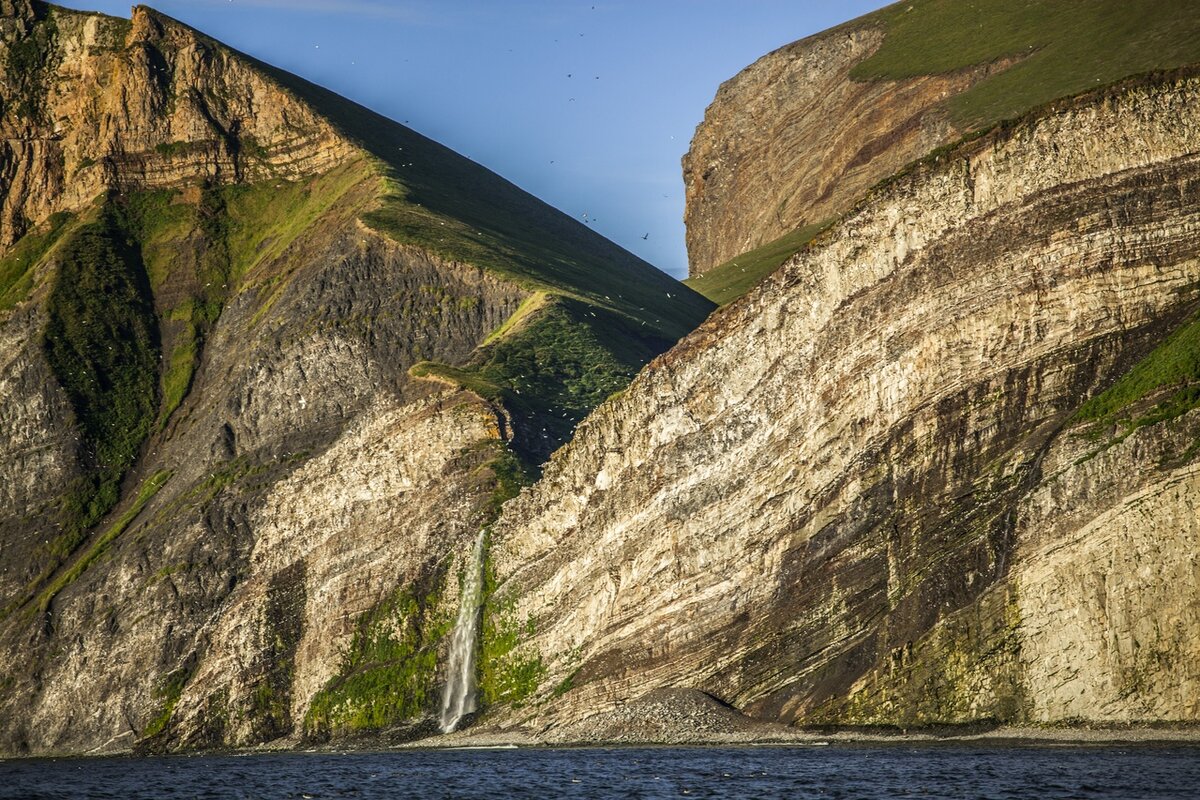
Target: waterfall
458	698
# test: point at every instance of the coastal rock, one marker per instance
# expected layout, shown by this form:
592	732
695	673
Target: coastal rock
868	492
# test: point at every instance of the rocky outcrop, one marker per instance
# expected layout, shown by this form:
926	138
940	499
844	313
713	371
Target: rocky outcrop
880	488
94	102
793	140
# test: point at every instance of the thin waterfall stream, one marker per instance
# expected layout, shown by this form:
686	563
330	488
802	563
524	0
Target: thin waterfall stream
458	698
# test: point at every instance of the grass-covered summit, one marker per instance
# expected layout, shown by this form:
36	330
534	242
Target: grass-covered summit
598	313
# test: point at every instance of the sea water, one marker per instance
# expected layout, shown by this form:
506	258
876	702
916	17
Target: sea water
861	772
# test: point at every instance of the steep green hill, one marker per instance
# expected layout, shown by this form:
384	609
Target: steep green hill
603	313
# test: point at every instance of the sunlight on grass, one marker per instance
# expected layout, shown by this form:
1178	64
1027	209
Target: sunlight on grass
1062	48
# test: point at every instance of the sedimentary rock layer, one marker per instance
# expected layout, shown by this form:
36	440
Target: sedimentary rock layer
863	492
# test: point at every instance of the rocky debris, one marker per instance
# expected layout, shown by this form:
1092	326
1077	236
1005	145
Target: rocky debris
671	716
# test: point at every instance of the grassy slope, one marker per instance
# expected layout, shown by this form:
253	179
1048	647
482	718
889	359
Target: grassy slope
1168	375
1063	48
625	310
18	268
729	281
102	341
602	312
452	206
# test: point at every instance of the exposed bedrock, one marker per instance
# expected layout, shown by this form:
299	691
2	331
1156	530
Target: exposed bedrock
863	493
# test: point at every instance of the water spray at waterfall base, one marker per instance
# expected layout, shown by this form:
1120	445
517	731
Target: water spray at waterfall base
458	698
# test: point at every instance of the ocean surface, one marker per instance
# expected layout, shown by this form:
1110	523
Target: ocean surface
839	771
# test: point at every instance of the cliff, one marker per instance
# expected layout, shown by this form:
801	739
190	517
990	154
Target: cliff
941	467
792	142
268	362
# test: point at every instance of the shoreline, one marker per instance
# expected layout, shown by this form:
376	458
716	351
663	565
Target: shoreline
1001	737
1150	735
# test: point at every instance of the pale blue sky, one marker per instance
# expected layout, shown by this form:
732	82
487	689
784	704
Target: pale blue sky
588	104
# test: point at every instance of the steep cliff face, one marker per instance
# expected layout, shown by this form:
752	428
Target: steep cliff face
229	514
794	141
93	102
940	467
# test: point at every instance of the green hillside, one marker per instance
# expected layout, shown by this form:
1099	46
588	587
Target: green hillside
1061	48
729	281
602	313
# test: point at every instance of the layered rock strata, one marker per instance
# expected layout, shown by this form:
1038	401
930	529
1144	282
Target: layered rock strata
866	493
793	141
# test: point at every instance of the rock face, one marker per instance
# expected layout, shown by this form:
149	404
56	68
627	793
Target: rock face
939	468
268	364
792	141
797	138
94	102
228	513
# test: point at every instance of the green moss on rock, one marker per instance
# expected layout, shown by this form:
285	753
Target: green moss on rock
510	671
168	693
17	268
388	675
102	342
552	370
966	669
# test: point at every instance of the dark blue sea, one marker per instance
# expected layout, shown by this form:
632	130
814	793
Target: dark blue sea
796	773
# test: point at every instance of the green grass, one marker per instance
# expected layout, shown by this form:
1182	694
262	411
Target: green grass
729	281
101	340
264	219
509	476
165	230
441	201
234	236
1172	369
1064	47
147	491
17	268
161	226
550	371
168	693
178	372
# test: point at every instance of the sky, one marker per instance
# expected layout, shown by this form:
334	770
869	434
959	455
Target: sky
588	104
